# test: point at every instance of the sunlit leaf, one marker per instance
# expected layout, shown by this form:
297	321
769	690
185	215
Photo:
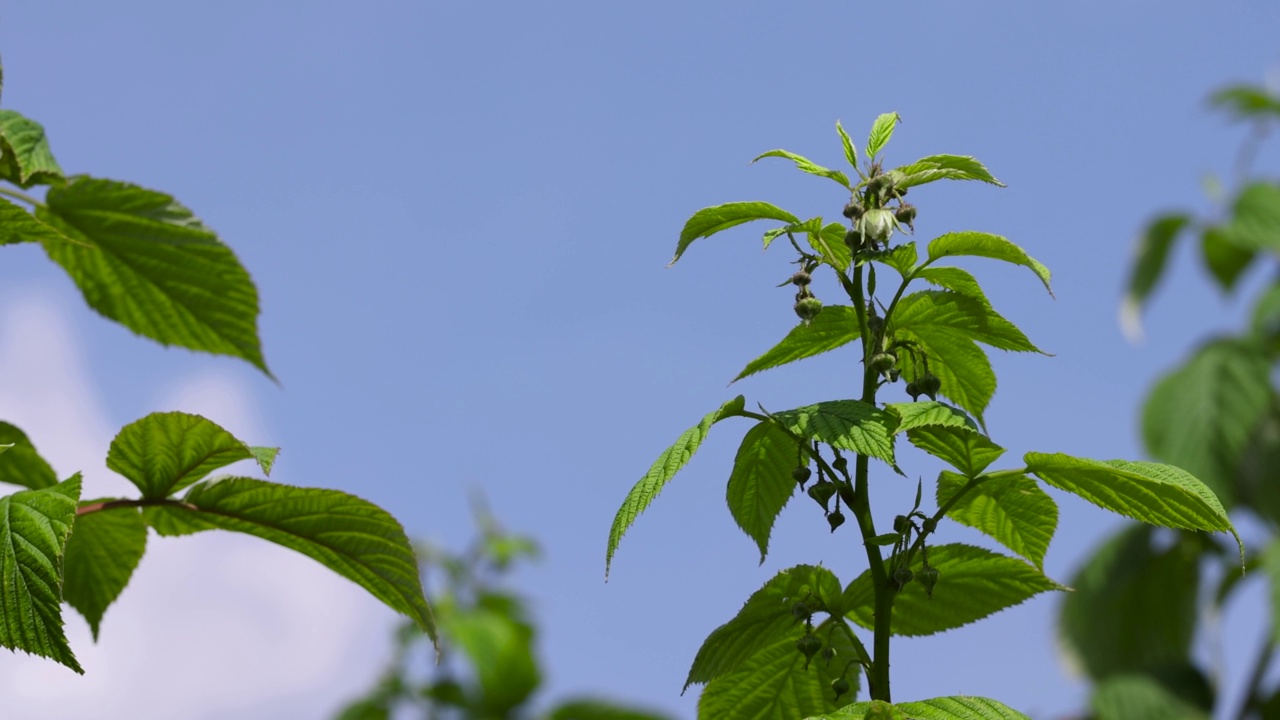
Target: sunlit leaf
709	221
1013	511
761	483
101	556
834	327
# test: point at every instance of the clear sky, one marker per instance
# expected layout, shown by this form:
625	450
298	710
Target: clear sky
458	215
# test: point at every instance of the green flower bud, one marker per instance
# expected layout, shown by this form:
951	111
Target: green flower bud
929	384
905	214
835	520
801	475
800	611
828	653
801	278
901	524
809	645
821	492
930	525
808	308
839	686
928	578
882	363
902	576
854	210
840	464
877	225
913	390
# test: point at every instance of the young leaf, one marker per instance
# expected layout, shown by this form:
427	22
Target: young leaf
846	424
1255	222
963	707
831	246
804	164
1226	260
850	152
34	525
1153	493
1141	697
939	311
967	451
973	583
980	244
101	556
709	221
765	618
662	470
25	158
145	261
774	684
954	279
353	537
944	167
761	482
881	131
1134	607
1246	102
1201	416
1013	511
901	258
165	452
812	225
836	326
19	226
912	415
21	464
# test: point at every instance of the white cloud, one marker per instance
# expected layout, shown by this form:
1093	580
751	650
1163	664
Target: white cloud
214	625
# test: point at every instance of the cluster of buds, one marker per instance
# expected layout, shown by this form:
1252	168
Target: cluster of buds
807	306
873	220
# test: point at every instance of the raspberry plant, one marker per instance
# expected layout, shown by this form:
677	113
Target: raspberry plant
795	650
144	260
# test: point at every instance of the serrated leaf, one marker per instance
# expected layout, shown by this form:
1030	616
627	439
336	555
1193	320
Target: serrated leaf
1151	255
850	152
944	167
929	413
1201	417
1153	493
19	226
1013	511
962	707
709	221
265	457
597	709
25	158
973	583
1225	260
145	261
765	618
902	258
831	246
500	649
812	225
21	464
761	483
1139	697
661	472
941	311
355	538
775	685
834	327
958	362
165	452
804	164
980	244
846	424
881	131
1134	607
967	451
101	556
34	526
1255	220
1246	101
954	279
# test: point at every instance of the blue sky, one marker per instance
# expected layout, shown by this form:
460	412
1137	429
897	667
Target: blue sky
458	217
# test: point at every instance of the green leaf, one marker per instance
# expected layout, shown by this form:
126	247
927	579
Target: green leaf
961	707
103	552
1246	102
265	457
21	464
980	244
662	470
1151	257
804	164
1226	260
881	131
1134	607
165	452
943	311
850	152
958	362
1153	493
1266	314
1255	222
500	649
901	258
836	326
1201	416
25	158
34	526
955	280
761	482
595	709
19	226
831	246
973	583
353	537
764	619
1139	697
944	167
812	225
145	261
912	415
775	685
1013	511
967	451
846	424
709	221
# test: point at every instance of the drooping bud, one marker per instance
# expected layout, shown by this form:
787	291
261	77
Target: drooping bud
929	384
809	645
835	520
807	308
882	363
801	475
901	524
928	578
839	686
902	576
913	390
800	611
801	278
821	492
906	215
854	210
840	464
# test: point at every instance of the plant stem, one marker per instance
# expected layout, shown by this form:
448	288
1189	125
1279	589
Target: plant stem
6	192
1252	699
878	677
130	503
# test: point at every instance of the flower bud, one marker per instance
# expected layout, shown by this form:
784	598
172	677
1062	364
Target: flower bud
801	278
882	363
807	308
902	576
835	520
929	384
821	492
839	686
877	225
801	475
928	578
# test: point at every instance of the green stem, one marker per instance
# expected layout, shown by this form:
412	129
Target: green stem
140	502
33	202
1253	698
